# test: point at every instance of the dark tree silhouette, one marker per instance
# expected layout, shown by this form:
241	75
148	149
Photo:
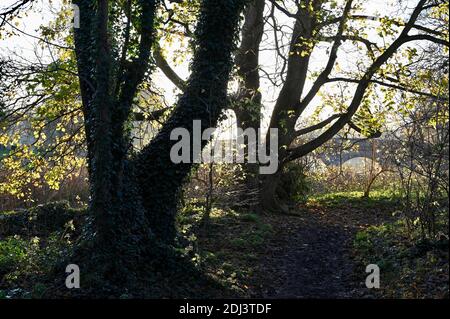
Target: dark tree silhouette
134	197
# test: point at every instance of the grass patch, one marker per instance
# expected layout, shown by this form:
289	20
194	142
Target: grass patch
32	242
356	199
12	253
25	263
229	247
250	217
410	267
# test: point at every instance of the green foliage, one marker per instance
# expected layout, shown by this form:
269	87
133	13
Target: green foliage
40	220
250	217
32	243
228	247
378	197
12	253
43	144
26	263
409	266
238	242
294	184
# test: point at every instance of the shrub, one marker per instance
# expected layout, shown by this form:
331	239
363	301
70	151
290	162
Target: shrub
411	267
294	185
12	253
40	220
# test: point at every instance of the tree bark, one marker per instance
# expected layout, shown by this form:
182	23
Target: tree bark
289	106
247	105
204	99
118	237
134	199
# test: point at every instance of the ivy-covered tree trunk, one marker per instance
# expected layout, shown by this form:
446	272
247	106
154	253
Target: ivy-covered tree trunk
118	236
134	199
248	105
248	101
204	99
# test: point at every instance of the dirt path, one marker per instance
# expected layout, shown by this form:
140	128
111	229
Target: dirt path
311	254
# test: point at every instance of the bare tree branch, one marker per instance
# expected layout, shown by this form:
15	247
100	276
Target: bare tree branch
162	64
360	90
317	126
390	85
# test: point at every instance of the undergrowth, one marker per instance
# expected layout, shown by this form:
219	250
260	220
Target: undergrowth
410	266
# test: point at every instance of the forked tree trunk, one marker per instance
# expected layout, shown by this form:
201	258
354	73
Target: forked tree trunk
134	201
118	238
204	99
